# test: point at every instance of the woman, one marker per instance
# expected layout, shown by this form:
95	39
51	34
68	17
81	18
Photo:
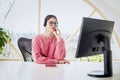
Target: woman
48	48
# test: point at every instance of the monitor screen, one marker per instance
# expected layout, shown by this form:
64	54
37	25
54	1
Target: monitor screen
89	41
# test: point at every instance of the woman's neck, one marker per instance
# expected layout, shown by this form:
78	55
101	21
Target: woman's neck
48	34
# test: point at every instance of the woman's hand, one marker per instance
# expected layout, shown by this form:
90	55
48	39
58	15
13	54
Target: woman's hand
63	61
57	34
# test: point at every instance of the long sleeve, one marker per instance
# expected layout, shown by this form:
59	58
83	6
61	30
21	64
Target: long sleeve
37	53
60	51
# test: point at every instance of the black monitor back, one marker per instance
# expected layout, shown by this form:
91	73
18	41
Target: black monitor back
89	42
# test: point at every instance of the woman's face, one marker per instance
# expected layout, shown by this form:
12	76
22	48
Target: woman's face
51	25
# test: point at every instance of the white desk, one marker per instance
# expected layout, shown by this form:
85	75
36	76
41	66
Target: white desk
14	70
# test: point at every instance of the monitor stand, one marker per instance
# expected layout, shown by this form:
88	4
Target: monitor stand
107	60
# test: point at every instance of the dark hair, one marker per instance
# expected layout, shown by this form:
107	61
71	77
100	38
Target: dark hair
48	17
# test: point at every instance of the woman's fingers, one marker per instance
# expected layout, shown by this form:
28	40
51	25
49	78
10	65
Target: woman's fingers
64	62
58	31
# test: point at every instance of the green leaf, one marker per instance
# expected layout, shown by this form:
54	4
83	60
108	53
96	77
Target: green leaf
3	41
1	49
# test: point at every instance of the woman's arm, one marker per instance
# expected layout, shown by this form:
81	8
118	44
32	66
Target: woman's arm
60	51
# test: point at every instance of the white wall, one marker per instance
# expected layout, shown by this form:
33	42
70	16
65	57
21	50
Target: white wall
22	15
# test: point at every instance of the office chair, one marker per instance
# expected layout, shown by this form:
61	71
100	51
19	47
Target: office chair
25	47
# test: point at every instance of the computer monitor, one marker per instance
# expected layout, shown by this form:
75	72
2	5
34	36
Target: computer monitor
94	38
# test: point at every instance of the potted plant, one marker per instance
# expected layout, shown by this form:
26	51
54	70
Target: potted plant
3	41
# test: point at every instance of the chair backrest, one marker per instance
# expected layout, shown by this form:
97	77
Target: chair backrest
25	47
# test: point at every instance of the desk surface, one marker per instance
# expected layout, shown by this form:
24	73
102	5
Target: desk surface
16	70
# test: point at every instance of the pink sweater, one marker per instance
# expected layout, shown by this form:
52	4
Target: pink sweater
47	50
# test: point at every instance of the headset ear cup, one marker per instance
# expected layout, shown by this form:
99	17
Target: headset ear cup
44	24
